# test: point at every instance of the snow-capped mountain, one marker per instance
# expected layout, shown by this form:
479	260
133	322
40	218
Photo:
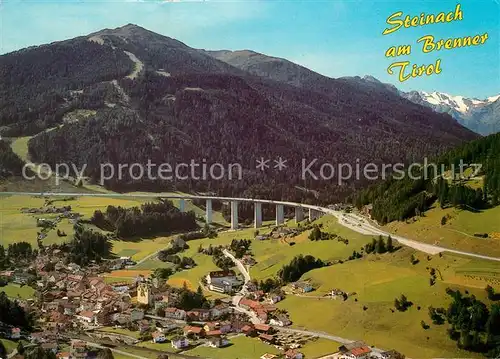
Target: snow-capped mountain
481	116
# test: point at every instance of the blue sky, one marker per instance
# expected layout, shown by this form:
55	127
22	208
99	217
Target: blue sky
335	37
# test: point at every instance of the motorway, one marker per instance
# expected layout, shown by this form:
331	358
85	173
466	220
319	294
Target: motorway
352	221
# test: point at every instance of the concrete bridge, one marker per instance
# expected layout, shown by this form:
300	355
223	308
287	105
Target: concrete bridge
313	212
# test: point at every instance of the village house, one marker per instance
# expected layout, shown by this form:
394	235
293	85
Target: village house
198	315
165	327
211	326
223	281
213	333
237	325
248	260
266	338
281	320
248	330
15	333
87	317
179	342
293	354
22	278
225	326
144	326
355	350
392	354
220	310
63	355
174	313
159	337
122	287
136	314
198	331
274	298
262	328
256	295
218	342
78	349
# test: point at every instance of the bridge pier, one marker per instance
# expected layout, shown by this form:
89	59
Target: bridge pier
234	215
182	205
208	213
313	214
299	214
280	214
257	215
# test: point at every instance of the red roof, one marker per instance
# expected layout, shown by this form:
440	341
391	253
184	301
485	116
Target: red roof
87	314
195	330
266	337
246	328
262	327
360	351
213	333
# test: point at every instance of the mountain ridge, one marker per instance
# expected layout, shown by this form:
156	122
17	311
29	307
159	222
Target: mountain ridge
183	103
475	115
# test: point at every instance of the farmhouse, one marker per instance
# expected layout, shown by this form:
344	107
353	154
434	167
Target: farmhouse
303	287
355	350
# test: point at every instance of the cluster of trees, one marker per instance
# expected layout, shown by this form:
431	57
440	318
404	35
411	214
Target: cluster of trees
298	266
16	253
170	255
150	219
458	195
221	261
175	248
399	199
473	325
270	284
11	313
317	235
87	245
402	303
188	300
240	247
492	294
162	273
218	257
10	163
380	245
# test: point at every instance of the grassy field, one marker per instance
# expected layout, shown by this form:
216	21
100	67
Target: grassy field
9	345
241	347
377	280
20	147
16	291
457	233
319	347
270	255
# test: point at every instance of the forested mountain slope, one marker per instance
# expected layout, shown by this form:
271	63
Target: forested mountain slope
399	199
150	97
